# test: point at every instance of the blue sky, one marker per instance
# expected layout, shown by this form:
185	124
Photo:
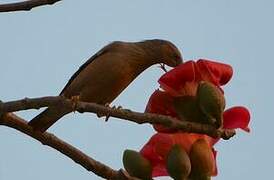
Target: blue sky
41	49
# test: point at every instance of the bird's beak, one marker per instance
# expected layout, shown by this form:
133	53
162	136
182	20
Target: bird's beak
162	66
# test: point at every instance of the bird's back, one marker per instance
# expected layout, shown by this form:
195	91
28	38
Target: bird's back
105	75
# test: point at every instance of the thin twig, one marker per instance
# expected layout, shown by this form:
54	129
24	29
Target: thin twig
123	114
15	122
25	5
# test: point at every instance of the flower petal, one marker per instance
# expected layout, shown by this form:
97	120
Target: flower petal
185	140
157	147
156	150
175	79
159	170
161	103
237	117
215	72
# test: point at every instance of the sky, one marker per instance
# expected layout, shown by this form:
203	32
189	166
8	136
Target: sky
42	48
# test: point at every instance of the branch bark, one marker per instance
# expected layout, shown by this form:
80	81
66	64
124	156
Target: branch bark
123	114
15	122
25	5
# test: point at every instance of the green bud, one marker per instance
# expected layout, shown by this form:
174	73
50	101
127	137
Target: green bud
211	102
187	108
178	163
136	165
202	160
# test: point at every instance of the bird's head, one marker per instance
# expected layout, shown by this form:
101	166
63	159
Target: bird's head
170	54
161	52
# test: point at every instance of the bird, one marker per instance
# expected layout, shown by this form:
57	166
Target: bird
108	72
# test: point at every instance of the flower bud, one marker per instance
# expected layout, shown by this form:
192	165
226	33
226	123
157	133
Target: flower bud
202	160
178	163
187	108
211	102
136	165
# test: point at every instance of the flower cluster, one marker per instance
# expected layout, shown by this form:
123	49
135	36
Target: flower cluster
184	81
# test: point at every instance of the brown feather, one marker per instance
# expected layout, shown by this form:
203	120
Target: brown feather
106	74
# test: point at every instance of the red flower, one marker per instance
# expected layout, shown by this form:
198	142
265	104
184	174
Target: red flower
181	81
176	82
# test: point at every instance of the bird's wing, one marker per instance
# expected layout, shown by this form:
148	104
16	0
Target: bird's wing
81	68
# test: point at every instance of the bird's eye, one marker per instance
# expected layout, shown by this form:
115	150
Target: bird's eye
176	56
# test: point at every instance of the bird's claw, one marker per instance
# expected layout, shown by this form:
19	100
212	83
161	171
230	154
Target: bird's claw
113	107
107	117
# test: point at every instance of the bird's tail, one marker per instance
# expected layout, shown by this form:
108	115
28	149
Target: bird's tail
47	118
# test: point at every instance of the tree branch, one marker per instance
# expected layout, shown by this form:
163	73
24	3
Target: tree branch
15	122
25	5
124	114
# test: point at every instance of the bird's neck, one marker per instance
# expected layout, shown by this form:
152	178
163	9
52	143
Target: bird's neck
151	50
141	54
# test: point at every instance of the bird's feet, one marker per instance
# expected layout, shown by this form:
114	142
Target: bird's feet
112	107
74	100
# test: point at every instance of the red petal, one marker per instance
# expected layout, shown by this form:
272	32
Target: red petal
157	147
173	80
163	129
159	170
156	150
215	72
237	117
148	152
185	140
161	103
